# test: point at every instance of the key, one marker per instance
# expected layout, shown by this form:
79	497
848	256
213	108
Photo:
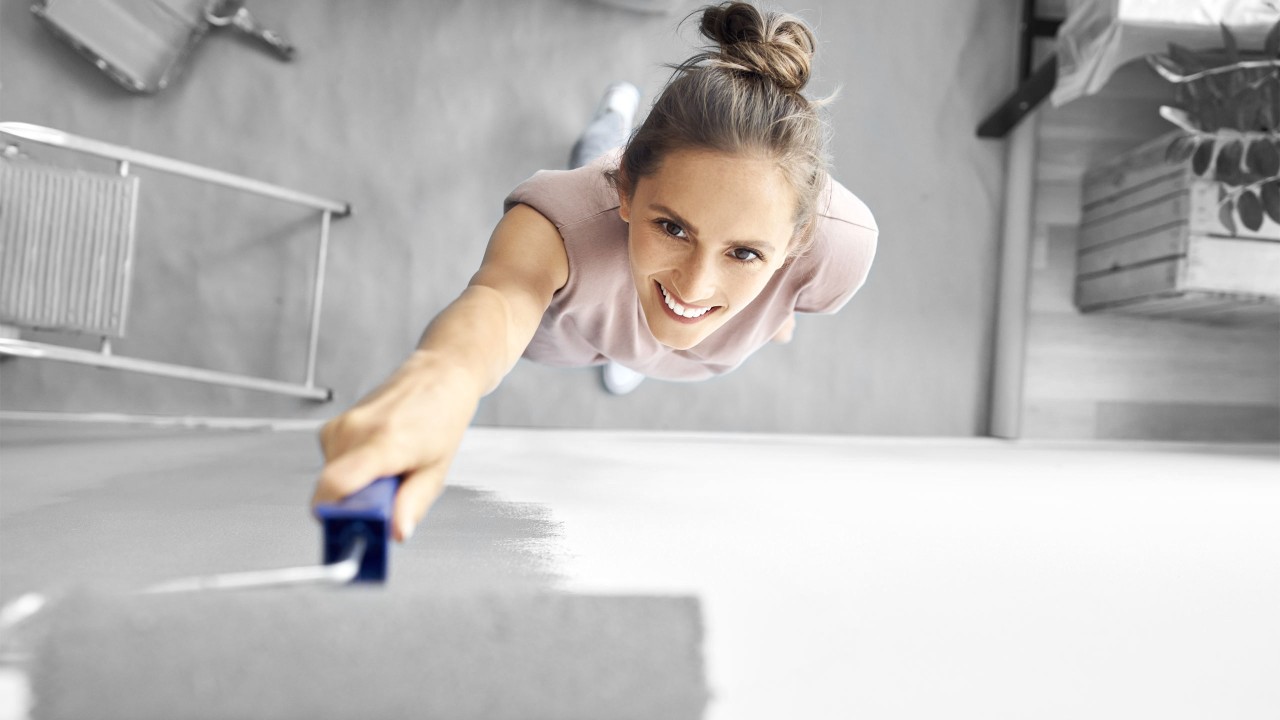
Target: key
233	13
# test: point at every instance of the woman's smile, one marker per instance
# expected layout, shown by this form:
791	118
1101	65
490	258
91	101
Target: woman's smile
681	312
706	232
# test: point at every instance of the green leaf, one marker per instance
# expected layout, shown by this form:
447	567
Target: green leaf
1190	96
1227	215
1250	210
1212	88
1262	119
1271	199
1272	46
1228	167
1262	157
1200	160
1180	149
1246	109
1229	45
1221	113
1186	58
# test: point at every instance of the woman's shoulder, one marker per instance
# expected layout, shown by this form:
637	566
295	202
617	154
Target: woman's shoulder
837	204
838	261
566	197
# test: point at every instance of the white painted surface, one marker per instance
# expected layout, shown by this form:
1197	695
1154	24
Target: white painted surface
883	578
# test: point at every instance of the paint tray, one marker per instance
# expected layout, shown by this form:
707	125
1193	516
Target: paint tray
141	44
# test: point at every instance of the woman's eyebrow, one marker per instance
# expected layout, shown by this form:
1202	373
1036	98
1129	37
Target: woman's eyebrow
675	216
768	247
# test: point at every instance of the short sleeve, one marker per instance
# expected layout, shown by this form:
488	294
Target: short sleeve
839	261
567	196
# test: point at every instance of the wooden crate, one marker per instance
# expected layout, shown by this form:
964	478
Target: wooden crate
1151	243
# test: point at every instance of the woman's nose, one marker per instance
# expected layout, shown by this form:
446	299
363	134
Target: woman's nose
696	278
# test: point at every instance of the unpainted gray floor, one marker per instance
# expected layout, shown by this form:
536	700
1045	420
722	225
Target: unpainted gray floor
424	115
470	623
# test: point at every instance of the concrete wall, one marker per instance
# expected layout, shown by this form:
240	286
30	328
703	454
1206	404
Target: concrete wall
423	116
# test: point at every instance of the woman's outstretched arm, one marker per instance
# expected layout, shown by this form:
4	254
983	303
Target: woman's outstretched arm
413	423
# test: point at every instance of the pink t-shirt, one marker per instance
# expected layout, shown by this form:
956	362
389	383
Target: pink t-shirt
597	317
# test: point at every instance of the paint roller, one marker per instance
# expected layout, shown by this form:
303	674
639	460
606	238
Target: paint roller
355	547
363	650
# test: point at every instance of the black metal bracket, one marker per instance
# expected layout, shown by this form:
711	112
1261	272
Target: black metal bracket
1033	87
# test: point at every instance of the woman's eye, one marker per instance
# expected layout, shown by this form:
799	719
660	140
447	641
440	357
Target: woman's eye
671	228
746	255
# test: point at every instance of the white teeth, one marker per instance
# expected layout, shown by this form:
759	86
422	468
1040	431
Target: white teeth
681	310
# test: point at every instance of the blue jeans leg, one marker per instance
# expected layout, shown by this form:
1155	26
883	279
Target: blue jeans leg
607	131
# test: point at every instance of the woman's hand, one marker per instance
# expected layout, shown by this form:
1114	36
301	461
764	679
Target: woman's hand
411	426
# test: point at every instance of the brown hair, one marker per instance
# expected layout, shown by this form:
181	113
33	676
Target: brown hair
741	96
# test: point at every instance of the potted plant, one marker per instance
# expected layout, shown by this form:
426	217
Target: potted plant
1187	225
1229	112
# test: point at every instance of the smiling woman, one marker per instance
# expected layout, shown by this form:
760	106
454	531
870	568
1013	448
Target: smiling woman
677	256
705	273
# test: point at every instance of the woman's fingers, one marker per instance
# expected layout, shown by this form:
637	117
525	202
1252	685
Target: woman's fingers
351	471
411	428
417	492
362	465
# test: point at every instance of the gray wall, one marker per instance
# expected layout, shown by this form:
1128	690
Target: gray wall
424	114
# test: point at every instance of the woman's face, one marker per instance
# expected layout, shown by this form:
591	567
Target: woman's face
707	232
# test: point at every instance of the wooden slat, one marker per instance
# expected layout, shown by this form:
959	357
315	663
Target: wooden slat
1152	189
1120	357
1126	285
1169	242
1161	213
1100	195
1140	161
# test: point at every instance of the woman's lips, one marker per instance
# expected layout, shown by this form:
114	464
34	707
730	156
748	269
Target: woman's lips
678	311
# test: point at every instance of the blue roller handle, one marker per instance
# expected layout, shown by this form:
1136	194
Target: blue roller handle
365	513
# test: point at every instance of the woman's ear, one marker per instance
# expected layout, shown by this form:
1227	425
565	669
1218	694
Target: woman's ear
624	198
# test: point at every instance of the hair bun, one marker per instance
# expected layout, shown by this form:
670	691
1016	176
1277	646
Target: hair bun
779	47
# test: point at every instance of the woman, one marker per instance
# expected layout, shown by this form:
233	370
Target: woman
676	258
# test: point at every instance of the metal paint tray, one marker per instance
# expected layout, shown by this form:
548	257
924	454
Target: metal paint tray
141	44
